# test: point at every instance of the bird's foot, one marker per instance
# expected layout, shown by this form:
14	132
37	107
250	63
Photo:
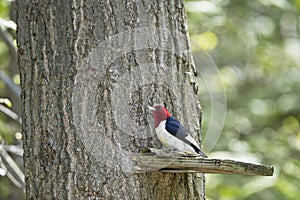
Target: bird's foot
188	154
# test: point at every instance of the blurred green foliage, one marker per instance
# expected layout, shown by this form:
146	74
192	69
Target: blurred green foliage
4	14
4	9
8	127
256	46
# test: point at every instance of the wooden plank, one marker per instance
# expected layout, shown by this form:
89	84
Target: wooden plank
180	164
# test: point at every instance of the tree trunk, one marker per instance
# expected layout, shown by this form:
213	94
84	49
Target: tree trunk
88	68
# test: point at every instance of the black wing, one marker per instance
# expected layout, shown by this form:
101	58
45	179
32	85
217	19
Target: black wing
174	127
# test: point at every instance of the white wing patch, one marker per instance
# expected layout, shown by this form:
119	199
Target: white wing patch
171	141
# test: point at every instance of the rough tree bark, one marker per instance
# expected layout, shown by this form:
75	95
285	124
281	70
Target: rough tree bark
88	68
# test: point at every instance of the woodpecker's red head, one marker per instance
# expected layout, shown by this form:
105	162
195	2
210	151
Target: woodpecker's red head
159	113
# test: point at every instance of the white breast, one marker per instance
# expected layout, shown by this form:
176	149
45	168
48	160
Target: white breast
171	141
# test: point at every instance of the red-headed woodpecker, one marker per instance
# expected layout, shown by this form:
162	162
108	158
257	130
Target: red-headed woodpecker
171	132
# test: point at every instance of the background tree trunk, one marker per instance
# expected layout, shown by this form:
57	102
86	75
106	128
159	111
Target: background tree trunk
88	69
